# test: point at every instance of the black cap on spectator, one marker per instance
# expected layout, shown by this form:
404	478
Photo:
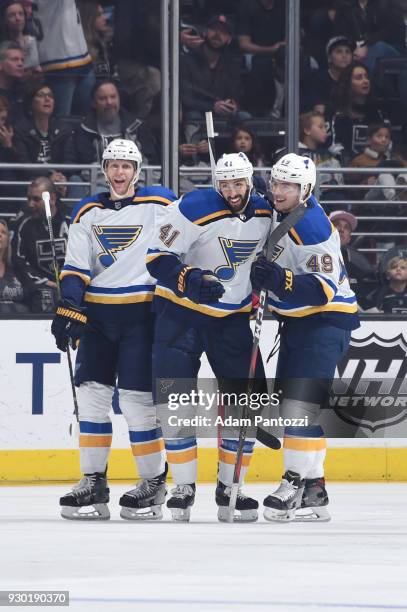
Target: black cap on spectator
338	41
220	20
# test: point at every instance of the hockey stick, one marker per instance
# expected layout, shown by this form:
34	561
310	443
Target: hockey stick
272	441
74	427
211	143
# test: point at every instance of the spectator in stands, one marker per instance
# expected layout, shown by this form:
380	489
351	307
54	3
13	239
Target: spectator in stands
379	153
64	56
97	34
11	290
360	272
34	26
392	297
244	140
190	37
355	108
376	26
31	248
320	30
14	27
193	151
105	122
210	75
11	76
261	33
8	155
41	138
137	44
319	90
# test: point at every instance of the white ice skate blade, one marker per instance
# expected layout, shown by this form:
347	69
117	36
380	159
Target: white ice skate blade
97	512
278	516
181	515
240	516
154	513
312	515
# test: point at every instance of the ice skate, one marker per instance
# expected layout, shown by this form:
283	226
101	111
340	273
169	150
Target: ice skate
246	507
183	497
145	501
314	502
281	505
87	500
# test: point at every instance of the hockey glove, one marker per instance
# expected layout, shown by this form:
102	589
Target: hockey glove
269	275
200	286
68	325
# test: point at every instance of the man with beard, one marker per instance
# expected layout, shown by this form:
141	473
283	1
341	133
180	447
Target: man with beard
201	257
210	75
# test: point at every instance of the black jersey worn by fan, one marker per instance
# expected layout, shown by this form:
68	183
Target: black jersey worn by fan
31	247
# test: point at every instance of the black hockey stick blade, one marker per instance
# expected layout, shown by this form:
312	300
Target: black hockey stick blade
268	439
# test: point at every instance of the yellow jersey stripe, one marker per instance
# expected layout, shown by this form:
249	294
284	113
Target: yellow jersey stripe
213	312
85	208
212	216
331	306
84	277
329	292
295	236
152	199
118	299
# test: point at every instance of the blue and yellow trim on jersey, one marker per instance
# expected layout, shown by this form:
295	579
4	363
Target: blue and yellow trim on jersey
337	304
155	253
203	207
218	309
313	228
83	208
152	199
328	286
70	62
68	270
119	295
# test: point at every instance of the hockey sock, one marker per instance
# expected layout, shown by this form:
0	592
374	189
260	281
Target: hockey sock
148	452
305	450
227	458
182	458
95	441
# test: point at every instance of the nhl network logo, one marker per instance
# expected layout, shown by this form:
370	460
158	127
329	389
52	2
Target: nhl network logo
371	391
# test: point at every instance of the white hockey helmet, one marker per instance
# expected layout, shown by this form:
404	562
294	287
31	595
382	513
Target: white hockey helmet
233	166
122	149
292	168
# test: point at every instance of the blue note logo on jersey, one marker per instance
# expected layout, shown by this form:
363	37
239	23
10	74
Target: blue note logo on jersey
236	252
114	239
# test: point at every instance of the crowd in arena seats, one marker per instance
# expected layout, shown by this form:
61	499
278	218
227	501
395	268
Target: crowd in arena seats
75	74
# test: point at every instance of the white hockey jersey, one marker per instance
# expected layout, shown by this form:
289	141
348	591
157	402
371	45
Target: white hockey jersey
312	246
108	242
202	232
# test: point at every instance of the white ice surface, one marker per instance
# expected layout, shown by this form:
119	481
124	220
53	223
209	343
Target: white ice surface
358	561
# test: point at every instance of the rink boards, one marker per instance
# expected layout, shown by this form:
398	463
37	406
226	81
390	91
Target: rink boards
36	407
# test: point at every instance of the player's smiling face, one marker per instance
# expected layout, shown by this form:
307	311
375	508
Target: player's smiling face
286	196
120	174
235	193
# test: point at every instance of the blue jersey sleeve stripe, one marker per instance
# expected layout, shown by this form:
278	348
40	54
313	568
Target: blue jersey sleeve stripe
70	268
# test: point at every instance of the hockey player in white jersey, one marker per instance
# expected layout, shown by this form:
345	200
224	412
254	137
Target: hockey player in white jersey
202	258
106	295
309	292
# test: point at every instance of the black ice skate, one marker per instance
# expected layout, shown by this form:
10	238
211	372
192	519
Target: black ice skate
314	501
246	506
281	505
145	501
87	500
183	497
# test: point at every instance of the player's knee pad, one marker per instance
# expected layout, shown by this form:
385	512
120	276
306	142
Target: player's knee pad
138	409
94	401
